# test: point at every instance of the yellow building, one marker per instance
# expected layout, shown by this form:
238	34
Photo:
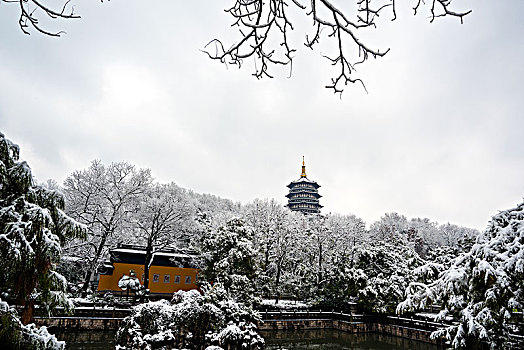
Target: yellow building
169	272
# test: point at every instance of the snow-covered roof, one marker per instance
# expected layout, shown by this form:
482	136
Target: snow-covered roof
304	179
143	252
137	255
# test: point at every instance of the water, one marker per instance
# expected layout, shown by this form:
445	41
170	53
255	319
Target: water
87	340
298	340
333	339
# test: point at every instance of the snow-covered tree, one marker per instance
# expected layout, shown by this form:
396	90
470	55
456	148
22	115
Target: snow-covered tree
423	235
33	226
216	207
161	218
262	216
321	243
100	197
229	258
373	275
458	236
391	227
275	234
481	288
284	247
191	320
348	231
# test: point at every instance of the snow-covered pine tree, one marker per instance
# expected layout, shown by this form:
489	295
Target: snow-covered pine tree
482	287
32	228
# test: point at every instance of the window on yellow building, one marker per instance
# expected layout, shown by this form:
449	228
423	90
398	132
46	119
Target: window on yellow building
177	279
167	278
156	277
188	279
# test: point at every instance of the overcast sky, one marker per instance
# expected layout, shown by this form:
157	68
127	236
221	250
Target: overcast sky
440	134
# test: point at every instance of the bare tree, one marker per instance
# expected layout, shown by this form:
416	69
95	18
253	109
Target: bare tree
101	197
31	9
162	218
274	232
262	23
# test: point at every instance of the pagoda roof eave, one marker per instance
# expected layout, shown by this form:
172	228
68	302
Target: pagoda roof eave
314	194
303	180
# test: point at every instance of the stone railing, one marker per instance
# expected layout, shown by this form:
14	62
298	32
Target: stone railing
85	318
417	328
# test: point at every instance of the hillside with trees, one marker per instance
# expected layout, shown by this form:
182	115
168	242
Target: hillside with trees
246	253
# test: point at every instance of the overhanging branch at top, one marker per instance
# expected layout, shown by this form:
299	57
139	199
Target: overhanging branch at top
262	23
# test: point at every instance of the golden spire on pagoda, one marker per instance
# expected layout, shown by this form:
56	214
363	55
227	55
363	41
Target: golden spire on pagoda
303	168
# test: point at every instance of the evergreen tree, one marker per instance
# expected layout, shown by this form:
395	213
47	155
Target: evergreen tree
229	258
33	226
481	288
373	275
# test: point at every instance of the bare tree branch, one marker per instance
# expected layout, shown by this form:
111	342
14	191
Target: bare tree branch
265	25
31	9
261	23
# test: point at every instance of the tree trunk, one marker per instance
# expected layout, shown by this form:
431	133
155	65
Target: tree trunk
90	271
320	257
266	258
277	281
147	264
27	312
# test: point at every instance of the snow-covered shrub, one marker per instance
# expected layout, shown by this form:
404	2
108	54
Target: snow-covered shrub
191	320
15	335
241	336
481	288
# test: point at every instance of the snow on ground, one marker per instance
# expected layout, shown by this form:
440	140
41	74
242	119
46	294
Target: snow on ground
284	304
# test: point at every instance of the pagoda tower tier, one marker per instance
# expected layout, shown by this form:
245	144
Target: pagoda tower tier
303	194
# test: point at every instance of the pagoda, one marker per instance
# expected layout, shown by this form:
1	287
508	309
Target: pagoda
303	194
